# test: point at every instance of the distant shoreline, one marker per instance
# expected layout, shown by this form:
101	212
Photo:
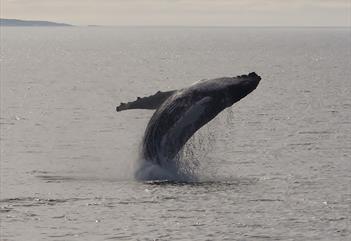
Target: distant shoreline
41	23
30	23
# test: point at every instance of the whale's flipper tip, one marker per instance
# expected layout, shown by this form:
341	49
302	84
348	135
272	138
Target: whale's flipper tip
150	102
122	106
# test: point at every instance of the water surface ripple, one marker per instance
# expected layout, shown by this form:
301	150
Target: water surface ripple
276	166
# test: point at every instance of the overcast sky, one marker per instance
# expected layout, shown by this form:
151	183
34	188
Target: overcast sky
183	12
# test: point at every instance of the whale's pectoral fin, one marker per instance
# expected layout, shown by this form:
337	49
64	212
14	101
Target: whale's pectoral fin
150	102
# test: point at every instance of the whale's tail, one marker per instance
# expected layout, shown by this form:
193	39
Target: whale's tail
151	102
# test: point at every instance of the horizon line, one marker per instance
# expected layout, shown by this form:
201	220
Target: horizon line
184	26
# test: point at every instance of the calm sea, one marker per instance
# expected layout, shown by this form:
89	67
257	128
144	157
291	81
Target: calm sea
275	166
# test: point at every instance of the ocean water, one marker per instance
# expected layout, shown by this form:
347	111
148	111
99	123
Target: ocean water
275	166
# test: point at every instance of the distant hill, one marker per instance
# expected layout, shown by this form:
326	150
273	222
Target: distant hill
29	23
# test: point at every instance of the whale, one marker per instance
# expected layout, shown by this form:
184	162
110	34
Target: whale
180	113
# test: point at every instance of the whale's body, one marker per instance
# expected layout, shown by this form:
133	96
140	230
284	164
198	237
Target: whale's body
179	114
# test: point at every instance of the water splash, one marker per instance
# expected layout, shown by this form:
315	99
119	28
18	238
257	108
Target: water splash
148	171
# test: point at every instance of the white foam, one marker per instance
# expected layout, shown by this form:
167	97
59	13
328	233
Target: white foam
170	171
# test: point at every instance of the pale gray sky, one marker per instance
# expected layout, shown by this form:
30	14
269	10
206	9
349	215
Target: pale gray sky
183	12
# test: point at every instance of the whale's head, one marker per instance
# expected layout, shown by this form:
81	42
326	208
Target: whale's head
231	90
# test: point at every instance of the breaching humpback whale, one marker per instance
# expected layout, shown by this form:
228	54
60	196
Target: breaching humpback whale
180	113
